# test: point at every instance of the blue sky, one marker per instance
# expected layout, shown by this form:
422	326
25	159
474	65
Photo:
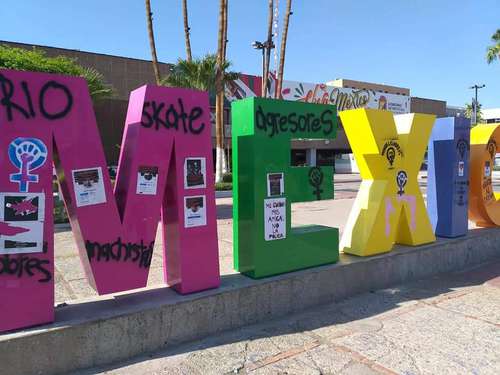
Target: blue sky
434	47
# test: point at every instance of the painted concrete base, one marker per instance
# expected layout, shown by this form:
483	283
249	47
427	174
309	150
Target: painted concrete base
103	330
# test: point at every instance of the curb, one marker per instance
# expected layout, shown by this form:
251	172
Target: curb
223	194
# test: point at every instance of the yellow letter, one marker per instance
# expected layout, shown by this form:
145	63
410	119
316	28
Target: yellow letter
389	206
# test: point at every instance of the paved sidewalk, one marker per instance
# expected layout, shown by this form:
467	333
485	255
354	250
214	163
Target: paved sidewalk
71	283
70	279
447	325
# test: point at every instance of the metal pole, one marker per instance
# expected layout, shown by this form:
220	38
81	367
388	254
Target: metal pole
263	70
475	103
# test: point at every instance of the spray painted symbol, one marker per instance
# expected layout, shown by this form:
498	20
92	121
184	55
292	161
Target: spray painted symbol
390	155
316	179
492	148
462	147
27	154
401	180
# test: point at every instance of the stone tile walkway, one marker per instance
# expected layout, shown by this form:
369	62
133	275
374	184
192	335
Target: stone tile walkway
446	325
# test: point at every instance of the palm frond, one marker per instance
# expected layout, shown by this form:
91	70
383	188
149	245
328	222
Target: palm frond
492	53
199	73
95	80
496	37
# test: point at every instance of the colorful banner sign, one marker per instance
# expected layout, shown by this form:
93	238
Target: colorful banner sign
448	176
345	98
389	207
166	146
265	185
320	93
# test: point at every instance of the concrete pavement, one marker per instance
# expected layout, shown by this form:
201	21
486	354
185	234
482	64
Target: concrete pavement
71	283
446	325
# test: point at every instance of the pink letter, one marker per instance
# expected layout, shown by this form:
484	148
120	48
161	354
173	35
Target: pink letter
165	170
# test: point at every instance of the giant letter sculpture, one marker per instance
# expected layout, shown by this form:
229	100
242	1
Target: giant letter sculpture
484	202
164	169
265	185
448	176
389	206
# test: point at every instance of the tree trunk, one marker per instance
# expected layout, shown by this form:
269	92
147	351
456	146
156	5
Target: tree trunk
224	40
281	68
219	143
269	41
189	57
154	58
225	168
219	138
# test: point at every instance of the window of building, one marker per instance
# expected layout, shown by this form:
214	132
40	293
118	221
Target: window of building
299	158
325	158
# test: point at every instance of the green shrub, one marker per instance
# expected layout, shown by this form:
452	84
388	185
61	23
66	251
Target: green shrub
36	60
60	215
224	186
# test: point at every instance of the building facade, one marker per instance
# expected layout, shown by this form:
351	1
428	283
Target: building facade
455	111
429	106
491	115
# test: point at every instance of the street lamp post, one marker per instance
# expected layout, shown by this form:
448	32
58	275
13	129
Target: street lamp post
263	46
475	103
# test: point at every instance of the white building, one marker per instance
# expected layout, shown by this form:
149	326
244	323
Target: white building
491	115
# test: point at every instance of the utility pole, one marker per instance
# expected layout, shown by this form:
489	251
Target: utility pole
475	103
264	46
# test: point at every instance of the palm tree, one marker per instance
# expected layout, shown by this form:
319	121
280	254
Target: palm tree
189	57
98	89
281	68
225	162
199	73
219	95
154	58
206	74
269	42
469	111
494	50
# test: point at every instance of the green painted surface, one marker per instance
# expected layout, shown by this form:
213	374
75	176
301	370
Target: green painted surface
262	130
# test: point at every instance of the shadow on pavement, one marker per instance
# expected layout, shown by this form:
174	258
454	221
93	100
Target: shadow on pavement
224	211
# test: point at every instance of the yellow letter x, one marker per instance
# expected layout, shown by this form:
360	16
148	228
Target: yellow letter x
389	206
